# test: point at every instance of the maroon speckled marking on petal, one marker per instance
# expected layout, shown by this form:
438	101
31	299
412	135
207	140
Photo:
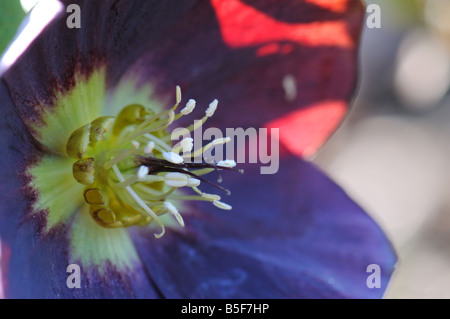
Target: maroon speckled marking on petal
35	266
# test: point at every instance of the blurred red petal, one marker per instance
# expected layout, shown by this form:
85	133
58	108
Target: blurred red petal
250	27
303	131
333	5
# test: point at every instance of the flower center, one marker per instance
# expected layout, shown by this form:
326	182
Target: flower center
131	171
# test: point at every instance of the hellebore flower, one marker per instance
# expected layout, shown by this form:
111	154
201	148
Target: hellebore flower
66	199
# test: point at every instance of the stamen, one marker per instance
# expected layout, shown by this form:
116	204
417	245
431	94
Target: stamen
136	178
122	155
135	144
140	202
187	144
142	172
222	205
227	163
178	94
127	182
152	119
212	108
208	113
158	141
173	157
149	148
217	141
190	105
157	126
171	117
193	182
175	179
212	197
188	197
222	140
152	194
139	187
173	210
170	169
152	179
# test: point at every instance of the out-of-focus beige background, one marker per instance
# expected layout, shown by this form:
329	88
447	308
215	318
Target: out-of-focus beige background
392	154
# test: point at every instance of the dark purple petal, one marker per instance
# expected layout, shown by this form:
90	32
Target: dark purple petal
294	234
35	264
211	54
37	268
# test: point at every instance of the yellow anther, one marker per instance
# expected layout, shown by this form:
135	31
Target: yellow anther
84	171
78	142
93	196
99	127
131	114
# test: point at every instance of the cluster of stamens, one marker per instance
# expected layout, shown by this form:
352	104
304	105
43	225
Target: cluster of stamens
131	171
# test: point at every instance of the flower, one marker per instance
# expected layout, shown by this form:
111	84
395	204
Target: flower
284	64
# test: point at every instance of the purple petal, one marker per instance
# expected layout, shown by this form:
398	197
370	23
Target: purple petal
36	264
168	43
294	234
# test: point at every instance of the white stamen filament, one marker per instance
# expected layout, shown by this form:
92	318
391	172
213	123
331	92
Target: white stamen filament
217	141
135	144
187	144
138	177
158	141
152	179
127	182
171	118
154	127
212	108
152	119
122	155
130	186
140	202
174	212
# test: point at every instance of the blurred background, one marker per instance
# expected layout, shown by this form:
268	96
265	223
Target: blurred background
392	153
